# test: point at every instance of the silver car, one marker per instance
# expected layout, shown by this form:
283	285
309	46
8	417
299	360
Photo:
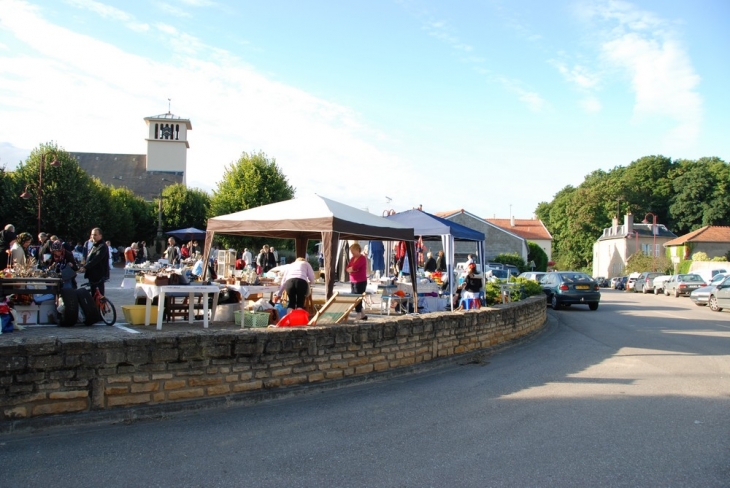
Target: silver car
683	284
701	296
720	298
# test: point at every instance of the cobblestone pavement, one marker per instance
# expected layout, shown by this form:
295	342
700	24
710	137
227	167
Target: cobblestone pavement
125	296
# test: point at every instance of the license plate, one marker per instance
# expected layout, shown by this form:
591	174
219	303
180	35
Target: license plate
582	287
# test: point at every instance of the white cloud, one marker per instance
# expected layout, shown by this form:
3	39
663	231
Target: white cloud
531	98
577	75
109	12
172	9
663	79
98	107
199	3
591	104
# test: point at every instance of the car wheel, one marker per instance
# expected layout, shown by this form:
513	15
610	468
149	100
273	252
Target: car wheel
656	291
593	306
643	289
666	292
554	303
676	293
713	304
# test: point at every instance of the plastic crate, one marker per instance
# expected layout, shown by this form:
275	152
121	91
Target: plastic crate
134	314
252	319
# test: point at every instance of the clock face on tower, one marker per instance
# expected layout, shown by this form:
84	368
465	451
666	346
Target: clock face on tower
166	131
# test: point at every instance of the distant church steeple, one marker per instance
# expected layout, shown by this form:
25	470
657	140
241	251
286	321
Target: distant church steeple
167	142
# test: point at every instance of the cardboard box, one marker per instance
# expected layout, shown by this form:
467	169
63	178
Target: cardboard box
47	313
27	314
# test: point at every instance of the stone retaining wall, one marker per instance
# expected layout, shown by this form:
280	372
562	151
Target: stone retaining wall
45	377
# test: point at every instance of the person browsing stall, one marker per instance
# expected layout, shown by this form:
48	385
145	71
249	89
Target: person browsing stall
62	259
97	262
296	281
19	250
358	270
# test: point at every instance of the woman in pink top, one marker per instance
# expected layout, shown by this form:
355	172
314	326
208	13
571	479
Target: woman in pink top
297	277
358	270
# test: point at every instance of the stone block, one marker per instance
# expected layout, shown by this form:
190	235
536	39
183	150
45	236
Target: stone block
45	362
60	407
219	389
116	390
205	381
272	383
162	376
68	395
119	379
27	378
280	372
19	412
314	377
294	380
185	394
124	400
247	386
144	387
161	355
365	368
175	384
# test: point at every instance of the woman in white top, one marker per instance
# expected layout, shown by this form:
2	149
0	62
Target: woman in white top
297	277
19	251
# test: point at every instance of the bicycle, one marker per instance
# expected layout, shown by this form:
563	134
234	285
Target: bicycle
106	308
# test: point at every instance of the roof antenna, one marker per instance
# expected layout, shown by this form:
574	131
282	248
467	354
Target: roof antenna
168	106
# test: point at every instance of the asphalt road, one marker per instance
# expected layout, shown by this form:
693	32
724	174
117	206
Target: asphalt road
634	394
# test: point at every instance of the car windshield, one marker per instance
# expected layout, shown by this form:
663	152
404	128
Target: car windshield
689	277
499	273
573	277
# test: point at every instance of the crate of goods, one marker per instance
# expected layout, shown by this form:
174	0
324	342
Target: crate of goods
134	314
252	319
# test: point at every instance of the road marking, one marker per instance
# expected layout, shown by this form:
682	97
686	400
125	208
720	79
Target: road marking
131	331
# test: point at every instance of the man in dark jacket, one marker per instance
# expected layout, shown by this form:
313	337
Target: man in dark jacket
97	262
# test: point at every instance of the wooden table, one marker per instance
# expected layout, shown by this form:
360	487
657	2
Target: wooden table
30	286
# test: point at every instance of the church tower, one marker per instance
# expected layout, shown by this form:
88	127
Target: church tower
167	143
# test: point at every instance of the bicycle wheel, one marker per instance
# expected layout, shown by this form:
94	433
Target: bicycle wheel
107	311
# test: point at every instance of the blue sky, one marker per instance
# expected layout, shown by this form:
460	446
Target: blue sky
482	105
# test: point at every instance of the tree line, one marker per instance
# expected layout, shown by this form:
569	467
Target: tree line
684	194
73	202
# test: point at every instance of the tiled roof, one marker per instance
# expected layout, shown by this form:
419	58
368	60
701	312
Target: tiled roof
449	213
531	229
127	171
709	233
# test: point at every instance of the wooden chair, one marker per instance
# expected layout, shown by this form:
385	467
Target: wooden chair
336	309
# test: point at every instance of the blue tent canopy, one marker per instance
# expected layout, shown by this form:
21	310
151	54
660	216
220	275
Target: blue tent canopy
431	228
188	234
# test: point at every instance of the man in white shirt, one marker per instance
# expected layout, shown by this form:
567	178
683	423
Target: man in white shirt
248	258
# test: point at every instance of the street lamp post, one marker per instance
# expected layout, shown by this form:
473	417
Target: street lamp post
654	230
26	195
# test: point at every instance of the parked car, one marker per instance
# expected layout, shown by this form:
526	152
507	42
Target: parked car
621	283
632	281
709	274
658	284
512	269
614	281
720	298
564	288
645	282
701	296
496	274
683	284
533	275
602	282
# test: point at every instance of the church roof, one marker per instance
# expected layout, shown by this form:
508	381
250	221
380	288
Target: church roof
127	171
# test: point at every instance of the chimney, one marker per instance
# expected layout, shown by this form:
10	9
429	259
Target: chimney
512	220
628	223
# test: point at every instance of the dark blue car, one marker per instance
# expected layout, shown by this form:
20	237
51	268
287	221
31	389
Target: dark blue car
565	288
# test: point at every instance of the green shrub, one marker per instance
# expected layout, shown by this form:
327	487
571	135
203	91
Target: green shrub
524	288
684	267
513	259
700	256
536	254
719	259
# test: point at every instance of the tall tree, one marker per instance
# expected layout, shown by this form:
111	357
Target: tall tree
252	181
700	194
184	207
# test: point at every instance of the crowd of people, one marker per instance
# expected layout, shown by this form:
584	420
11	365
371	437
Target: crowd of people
92	257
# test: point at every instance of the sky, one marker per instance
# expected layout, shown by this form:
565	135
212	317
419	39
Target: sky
490	106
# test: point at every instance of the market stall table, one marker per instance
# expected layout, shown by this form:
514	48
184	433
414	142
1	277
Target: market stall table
152	291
